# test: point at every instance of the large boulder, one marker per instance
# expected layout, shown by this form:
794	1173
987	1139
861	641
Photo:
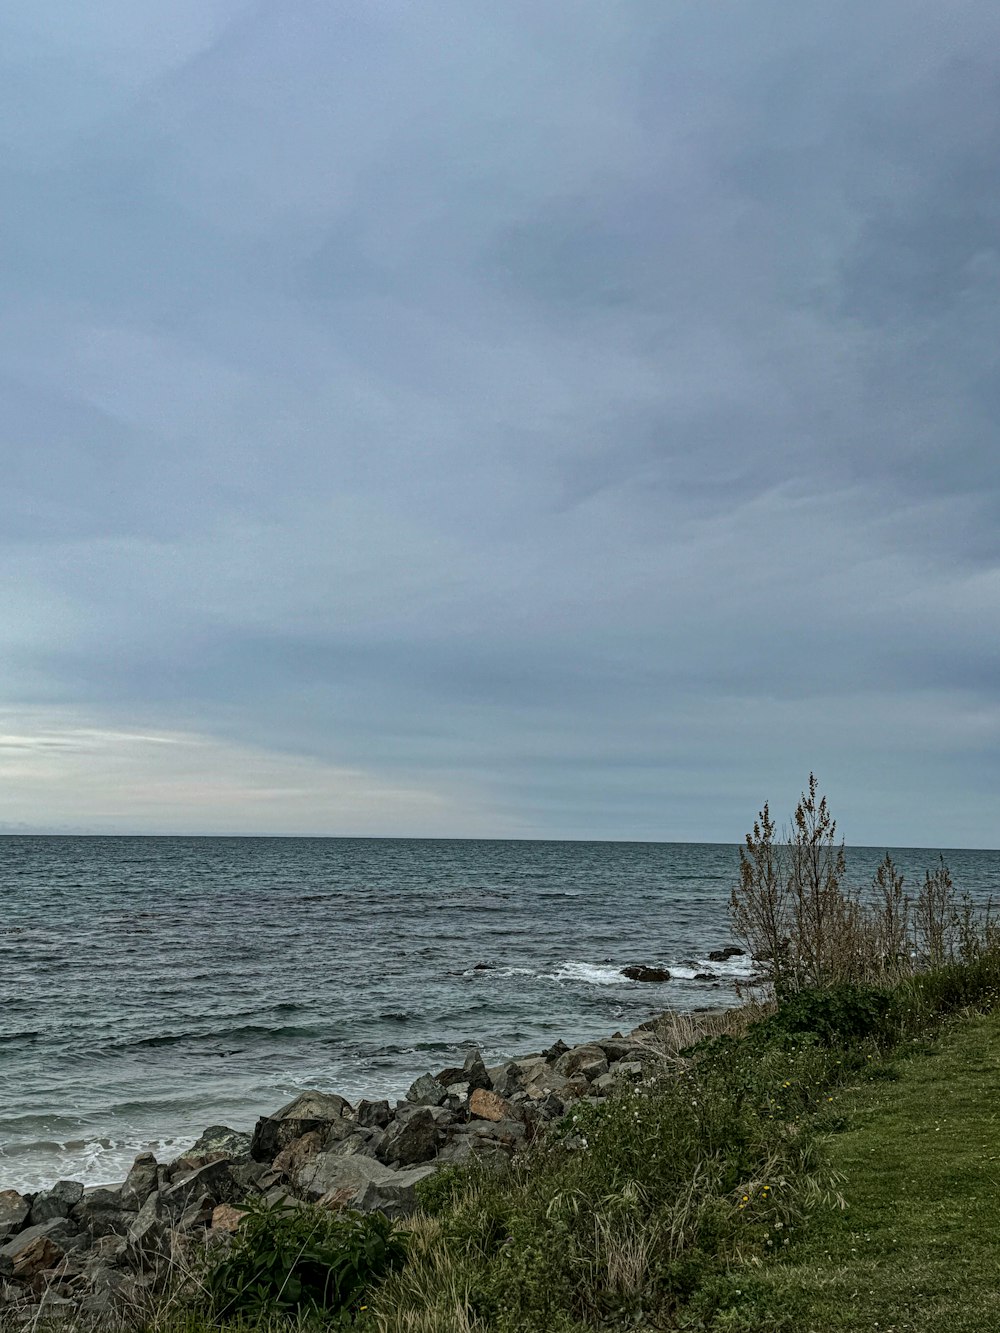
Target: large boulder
149	1233
15	1210
309	1111
395	1195
412	1140
290	1159
482	1137
517	1074
588	1060
214	1181
366	1183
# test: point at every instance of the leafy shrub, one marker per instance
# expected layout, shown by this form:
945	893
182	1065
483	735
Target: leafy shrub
836	1016
287	1259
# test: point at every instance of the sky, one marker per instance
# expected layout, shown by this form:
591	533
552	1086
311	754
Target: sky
461	419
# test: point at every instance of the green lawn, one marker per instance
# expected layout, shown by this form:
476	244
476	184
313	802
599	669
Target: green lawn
918	1247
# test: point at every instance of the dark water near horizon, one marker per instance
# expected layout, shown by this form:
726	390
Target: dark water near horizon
150	987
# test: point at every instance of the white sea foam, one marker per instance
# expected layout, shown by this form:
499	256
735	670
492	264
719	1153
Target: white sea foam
92	1161
594	974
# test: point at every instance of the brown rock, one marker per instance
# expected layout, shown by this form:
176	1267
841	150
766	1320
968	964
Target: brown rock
226	1218
40	1253
491	1106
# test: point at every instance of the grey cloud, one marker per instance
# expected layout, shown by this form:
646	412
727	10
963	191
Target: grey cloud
589	404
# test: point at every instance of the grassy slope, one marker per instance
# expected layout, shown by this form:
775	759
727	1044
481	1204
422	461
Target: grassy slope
918	1248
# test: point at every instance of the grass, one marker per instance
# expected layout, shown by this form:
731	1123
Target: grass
918	1246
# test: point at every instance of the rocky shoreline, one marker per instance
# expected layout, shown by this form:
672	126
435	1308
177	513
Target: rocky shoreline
87	1250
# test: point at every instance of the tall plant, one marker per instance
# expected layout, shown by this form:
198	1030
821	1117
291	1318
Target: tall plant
795	911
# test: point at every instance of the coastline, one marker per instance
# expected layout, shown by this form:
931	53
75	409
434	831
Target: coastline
90	1248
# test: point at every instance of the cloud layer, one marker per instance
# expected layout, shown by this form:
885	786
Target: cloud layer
579	417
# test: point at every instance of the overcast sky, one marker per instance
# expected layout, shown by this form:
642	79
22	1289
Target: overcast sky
571	419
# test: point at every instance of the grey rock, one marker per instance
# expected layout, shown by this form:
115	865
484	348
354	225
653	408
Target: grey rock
410	1141
374	1185
58	1201
427	1091
394	1195
149	1234
197	1215
309	1111
372	1115
517	1074
249	1175
100	1211
220	1138
482	1140
15	1210
475	1073
214	1180
441	1115
332	1132
314	1106
106	1250
557	1048
458	1096
617	1048
551	1107
543	1079
472	1071
140	1182
604	1084
724	954
588	1060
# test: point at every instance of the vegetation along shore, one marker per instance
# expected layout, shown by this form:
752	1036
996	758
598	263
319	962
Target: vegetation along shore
818	1158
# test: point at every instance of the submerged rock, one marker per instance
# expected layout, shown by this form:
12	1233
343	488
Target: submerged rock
639	972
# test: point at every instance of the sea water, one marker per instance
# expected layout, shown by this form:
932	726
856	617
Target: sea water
150	987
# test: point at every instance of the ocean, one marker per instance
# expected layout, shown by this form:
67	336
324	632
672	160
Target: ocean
150	987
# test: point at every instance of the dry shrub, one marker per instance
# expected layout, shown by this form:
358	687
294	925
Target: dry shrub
798	915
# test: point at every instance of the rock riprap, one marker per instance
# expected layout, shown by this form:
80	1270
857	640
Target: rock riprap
85	1249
